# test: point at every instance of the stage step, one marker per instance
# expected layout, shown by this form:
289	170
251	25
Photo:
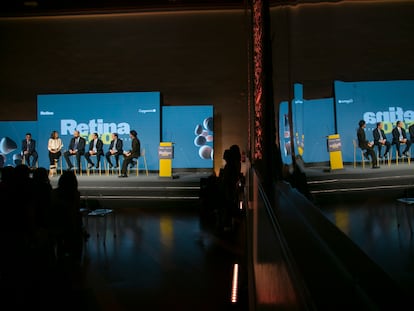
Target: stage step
181	187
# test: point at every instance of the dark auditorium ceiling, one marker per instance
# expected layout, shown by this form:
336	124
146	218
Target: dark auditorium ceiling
51	7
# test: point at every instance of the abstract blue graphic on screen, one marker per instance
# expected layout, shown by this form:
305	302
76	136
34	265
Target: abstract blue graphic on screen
190	129
12	134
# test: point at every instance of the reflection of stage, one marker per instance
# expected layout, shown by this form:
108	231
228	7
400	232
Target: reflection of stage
352	183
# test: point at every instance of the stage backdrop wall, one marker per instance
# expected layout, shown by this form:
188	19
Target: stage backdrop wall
190	128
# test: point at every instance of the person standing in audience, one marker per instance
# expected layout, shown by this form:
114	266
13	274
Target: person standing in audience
115	149
366	145
399	137
134	153
76	148
54	146
380	140
29	150
95	149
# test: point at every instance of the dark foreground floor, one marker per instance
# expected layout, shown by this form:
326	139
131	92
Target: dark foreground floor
383	230
154	254
139	258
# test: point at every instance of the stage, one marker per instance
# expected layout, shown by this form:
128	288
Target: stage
389	181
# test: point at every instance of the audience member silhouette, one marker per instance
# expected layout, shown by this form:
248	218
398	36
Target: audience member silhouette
43	189
229	186
236	157
36	220
66	219
17	231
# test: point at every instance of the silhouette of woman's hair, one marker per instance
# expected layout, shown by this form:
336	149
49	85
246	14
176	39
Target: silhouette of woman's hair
68	182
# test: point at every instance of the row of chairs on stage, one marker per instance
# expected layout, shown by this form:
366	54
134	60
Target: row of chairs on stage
384	160
106	169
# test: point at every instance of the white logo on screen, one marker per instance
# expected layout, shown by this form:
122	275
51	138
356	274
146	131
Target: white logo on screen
345	101
47	113
144	111
391	116
68	126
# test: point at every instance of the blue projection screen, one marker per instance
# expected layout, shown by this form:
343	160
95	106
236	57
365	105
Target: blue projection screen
190	129
385	101
103	113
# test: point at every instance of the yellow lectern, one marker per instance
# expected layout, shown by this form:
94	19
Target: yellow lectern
165	154
335	152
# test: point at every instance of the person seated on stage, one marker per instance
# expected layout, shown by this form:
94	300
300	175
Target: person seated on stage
366	145
134	153
29	150
115	149
95	149
380	140
76	148
54	145
399	137
411	131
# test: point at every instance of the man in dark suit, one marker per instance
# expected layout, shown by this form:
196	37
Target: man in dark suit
95	149
76	148
380	140
399	137
366	145
134	153
411	131
29	150
115	149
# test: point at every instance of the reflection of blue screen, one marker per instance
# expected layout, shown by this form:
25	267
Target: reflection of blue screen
313	121
385	101
317	124
284	133
190	128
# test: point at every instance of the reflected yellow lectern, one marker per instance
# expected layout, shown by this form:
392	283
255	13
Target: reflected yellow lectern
165	154
335	152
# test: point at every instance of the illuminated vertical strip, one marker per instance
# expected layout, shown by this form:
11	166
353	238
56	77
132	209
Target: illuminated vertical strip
234	285
258	78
